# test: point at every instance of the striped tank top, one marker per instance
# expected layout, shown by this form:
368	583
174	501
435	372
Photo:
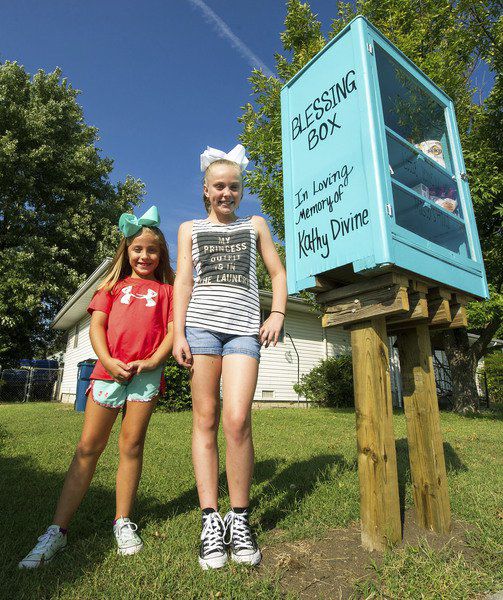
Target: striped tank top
225	293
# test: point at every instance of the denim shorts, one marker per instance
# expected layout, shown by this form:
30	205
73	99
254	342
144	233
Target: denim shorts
202	341
140	388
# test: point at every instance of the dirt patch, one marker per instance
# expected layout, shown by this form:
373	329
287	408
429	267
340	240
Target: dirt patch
329	567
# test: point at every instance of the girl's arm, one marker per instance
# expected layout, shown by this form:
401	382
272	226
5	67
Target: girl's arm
160	355
98	335
182	291
271	328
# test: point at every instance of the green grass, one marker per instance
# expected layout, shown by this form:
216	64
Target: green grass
305	483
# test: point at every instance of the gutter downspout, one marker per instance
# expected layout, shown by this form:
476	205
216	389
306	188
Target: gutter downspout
298	365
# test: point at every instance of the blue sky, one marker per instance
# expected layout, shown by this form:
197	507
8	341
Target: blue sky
159	79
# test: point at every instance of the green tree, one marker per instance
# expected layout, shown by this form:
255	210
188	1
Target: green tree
263	279
447	39
58	208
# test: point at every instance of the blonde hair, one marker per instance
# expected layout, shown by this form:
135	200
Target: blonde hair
219	161
120	267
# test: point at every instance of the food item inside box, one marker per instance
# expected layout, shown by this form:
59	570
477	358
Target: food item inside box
433	149
446	198
447	203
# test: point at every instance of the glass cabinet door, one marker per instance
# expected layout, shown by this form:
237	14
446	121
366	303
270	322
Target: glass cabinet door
425	193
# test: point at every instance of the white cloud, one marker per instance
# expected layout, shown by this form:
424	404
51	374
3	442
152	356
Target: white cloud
224	30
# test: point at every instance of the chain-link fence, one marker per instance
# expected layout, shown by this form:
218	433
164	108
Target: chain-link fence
30	385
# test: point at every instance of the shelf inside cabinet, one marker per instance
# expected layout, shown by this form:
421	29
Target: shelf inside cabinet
428	220
429	161
426	201
414	170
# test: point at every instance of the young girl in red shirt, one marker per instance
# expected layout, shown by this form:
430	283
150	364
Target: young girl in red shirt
131	333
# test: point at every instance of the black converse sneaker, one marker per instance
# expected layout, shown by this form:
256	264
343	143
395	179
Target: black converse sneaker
239	538
212	553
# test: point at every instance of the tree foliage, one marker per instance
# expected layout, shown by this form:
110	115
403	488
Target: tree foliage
447	39
58	208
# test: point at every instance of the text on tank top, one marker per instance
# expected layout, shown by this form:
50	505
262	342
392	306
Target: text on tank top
225	293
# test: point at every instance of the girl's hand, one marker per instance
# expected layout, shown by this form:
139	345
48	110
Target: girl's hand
119	371
271	328
182	353
137	366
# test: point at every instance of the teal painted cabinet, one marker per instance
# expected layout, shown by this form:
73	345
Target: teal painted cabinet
373	169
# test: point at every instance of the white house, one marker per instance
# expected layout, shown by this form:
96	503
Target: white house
303	344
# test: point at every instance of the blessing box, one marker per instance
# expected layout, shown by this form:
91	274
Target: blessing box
374	177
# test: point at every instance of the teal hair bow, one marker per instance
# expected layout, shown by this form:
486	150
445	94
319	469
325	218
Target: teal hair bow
129	224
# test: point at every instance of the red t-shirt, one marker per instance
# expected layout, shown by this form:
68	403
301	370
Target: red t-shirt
139	311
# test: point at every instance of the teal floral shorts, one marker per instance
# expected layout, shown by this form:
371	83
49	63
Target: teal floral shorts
140	388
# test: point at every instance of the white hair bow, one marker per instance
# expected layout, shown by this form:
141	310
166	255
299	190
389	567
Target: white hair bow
237	155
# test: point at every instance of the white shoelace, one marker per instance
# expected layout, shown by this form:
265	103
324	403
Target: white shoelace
237	531
211	535
127	531
44	541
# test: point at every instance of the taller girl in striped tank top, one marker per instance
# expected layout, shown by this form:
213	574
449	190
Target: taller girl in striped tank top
217	335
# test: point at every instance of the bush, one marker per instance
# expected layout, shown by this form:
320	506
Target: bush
493	366
177	396
330	383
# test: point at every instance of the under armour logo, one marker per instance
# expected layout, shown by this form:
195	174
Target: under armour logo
148	297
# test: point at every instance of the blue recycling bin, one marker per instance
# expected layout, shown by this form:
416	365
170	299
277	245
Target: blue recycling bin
83	378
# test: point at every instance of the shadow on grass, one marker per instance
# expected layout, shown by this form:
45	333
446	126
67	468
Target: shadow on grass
279	486
28	496
285	488
453	464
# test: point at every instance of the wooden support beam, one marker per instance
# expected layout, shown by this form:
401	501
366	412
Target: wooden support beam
459	318
361	287
322	284
377	470
462	299
438	306
390	300
427	463
418	309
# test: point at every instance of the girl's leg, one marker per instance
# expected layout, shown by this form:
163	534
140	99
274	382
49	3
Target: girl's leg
98	422
205	380
131	443
239	379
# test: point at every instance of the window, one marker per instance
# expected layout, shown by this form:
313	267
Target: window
264	314
76	335
267	394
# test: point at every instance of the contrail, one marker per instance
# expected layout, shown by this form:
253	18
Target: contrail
224	30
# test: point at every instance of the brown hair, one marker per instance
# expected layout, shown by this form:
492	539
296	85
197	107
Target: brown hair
219	161
120	267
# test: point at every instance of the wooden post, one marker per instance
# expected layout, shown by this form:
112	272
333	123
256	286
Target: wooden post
427	463
377	470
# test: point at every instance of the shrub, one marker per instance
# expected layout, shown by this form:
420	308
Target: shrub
330	383
177	396
493	366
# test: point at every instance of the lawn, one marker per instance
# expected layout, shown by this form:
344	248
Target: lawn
305	486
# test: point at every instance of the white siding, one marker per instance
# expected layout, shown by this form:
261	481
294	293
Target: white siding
338	341
73	356
278	365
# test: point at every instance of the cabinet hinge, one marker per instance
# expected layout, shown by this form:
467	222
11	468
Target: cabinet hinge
389	209
370	48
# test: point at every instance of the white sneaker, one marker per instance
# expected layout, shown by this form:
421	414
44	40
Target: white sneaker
128	541
239	538
49	544
212	552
